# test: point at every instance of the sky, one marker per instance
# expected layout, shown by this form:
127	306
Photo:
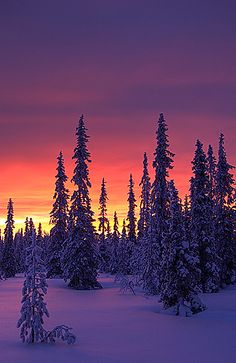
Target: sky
120	63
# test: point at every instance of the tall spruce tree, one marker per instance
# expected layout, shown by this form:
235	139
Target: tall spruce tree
8	258
59	219
202	223
144	214
131	226
152	276
178	289
225	218
79	258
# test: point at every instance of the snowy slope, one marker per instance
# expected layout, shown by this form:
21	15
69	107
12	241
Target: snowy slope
116	328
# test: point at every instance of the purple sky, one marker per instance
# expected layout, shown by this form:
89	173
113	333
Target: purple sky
121	64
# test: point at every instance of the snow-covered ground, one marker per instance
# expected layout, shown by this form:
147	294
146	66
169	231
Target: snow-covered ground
116	328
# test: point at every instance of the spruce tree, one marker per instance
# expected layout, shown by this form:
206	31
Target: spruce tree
114	246
79	258
103	229
178	290
103	220
19	251
144	214
211	165
225	217
159	214
131	226
202	223
8	258
33	305
59	219
123	262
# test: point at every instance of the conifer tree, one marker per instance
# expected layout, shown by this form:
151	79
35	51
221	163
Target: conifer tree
202	227
144	214
103	220
8	258
123	263
19	251
79	258
114	246
178	290
34	307
131	226
59	219
152	275
225	218
103	229
211	164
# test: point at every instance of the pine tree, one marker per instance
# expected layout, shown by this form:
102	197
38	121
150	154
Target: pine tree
33	305
123	262
131	212
8	258
159	213
225	218
131	226
103	229
103	220
202	226
211	165
178	290
114	246
144	215
79	258
19	251
59	219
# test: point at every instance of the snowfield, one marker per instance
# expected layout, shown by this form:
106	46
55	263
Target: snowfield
115	328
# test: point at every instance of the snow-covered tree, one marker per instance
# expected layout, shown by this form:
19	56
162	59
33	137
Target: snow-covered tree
202	223
123	260
159	213
178	290
59	219
34	307
225	217
79	257
8	257
35	287
144	214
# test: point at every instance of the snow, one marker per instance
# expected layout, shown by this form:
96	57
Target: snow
115	328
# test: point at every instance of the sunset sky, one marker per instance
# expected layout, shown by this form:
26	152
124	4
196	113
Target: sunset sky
120	63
